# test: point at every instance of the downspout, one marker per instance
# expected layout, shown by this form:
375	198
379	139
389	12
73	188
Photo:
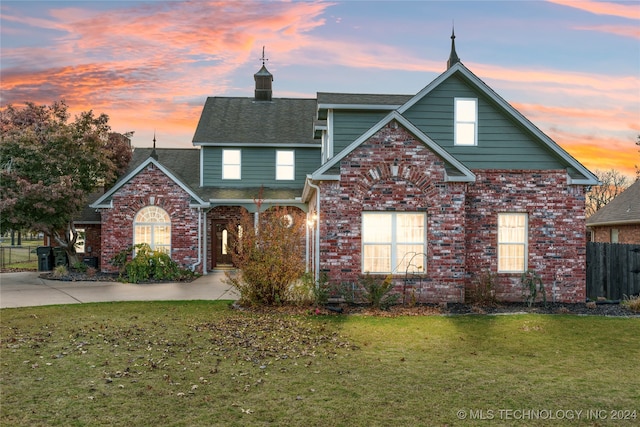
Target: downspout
193	267
316	273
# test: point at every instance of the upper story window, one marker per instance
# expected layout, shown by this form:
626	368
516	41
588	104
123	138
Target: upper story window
285	165
231	164
152	226
512	242
466	121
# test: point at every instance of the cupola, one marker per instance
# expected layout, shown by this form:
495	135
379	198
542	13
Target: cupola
263	79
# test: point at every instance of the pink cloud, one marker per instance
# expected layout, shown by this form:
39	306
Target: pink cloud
630	10
620	30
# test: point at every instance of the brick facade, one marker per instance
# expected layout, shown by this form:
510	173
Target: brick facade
627	234
117	222
392	171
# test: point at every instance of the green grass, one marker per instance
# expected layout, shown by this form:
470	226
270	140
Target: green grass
201	364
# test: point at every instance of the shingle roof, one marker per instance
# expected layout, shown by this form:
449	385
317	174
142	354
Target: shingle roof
624	209
361	98
246	121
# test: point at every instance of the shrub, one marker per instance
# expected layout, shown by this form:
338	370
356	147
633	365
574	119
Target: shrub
482	291
532	287
270	259
60	271
377	292
80	267
632	303
147	265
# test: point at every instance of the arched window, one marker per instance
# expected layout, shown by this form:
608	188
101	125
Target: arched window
152	226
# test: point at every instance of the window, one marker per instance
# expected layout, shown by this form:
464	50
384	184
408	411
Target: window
466	118
153	227
80	241
393	242
512	242
231	164
615	235
285	165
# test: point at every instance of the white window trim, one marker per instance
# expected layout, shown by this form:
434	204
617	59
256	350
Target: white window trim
394	243
525	244
152	226
232	164
456	121
293	165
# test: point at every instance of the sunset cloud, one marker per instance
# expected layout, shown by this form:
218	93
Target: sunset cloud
150	66
630	10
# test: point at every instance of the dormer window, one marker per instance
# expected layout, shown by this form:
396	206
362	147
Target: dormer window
466	121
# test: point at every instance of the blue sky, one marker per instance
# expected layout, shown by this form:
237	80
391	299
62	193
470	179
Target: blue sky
571	66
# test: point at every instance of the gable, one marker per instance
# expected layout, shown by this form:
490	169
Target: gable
105	200
455	170
506	139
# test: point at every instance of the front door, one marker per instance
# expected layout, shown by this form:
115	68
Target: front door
221	253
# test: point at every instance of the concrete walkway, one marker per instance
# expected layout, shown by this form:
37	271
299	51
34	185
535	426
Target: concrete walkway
27	289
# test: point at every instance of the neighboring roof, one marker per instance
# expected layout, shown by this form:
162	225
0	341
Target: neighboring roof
585	176
281	121
458	171
624	209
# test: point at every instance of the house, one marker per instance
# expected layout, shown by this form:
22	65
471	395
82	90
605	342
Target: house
434	188
619	220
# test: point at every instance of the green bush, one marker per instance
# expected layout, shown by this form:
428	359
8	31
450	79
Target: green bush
377	292
80	267
148	265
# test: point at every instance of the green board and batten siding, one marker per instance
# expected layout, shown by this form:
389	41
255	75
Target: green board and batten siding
502	143
258	167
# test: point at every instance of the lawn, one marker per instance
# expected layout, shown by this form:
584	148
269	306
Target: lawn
202	364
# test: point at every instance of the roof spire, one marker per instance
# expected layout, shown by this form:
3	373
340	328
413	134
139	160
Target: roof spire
263	59
453	56
153	152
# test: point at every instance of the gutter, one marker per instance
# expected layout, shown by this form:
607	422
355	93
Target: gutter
193	267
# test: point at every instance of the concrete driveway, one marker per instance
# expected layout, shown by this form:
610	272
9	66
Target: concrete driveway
27	289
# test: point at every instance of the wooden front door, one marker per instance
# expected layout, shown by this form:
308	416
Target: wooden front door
222	245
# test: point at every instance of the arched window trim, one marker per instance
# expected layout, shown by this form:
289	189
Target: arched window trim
152	225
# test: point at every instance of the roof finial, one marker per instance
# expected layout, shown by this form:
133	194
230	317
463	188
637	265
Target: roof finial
153	152
453	56
263	59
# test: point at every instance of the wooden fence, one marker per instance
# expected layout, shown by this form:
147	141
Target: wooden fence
613	270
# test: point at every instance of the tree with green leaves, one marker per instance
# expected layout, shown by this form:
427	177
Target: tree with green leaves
49	165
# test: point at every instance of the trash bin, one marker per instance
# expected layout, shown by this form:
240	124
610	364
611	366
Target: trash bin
45	258
59	257
91	261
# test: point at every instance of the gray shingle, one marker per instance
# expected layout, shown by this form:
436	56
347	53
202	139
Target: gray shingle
625	208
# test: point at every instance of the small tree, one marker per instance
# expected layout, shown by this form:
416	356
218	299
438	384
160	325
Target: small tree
270	257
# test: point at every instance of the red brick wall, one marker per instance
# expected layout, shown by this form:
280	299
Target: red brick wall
556	236
461	219
117	222
629	234
368	183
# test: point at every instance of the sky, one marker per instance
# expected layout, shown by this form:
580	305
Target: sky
572	67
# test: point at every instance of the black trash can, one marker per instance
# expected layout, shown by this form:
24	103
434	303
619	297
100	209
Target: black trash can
45	258
59	257
91	261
